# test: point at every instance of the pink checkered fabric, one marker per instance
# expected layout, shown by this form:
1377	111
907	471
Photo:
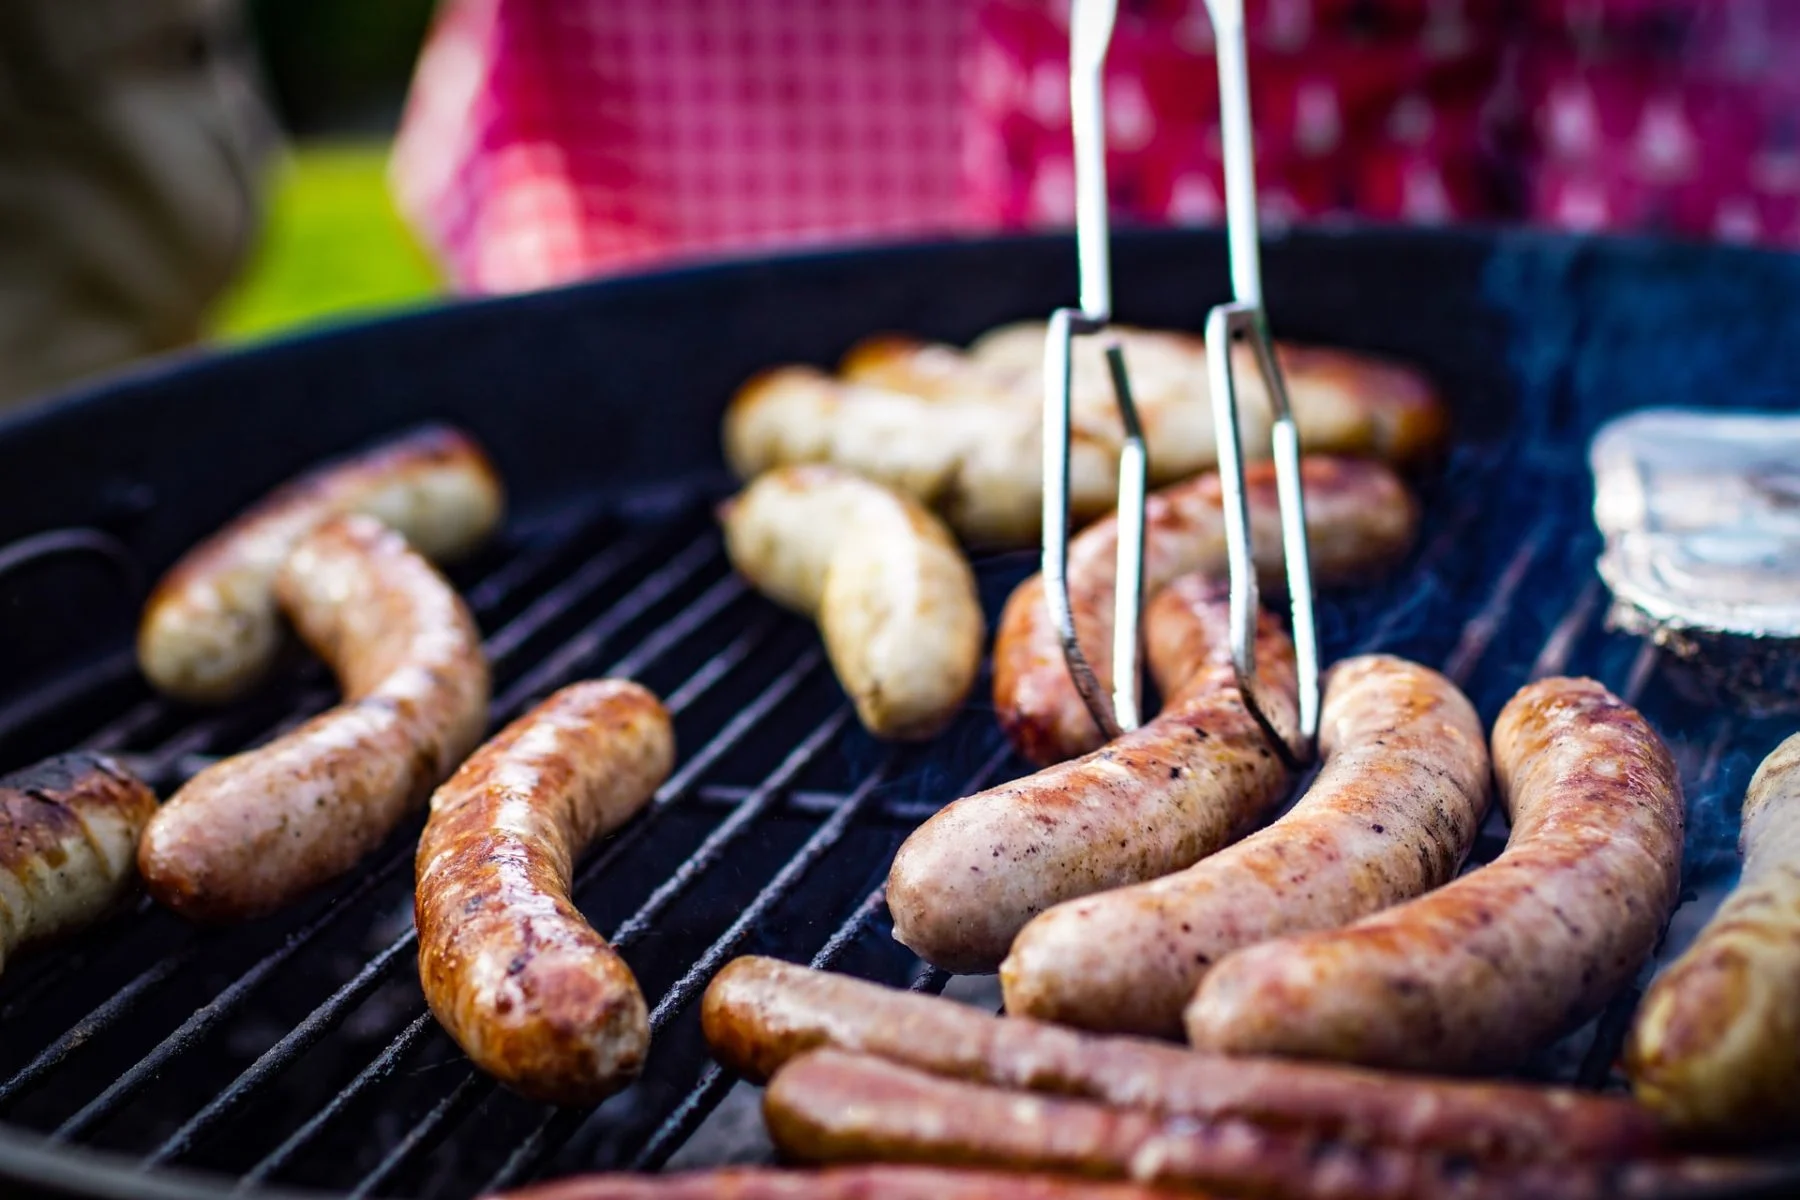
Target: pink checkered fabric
547	140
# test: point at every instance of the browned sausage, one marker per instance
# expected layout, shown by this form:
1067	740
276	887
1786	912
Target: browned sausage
69	829
1151	802
1484	970
1359	518
253	832
510	967
1393	814
830	1107
760	1012
1716	1044
210	629
838	1183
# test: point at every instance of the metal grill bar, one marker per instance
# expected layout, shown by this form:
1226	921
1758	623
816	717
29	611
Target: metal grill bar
721	742
1485	624
422	1134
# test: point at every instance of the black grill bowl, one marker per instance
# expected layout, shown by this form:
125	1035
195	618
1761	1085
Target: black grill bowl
148	1059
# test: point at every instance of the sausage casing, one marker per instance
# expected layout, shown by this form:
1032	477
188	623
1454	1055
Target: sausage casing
1393	813
69	829
1150	802
880	1182
830	1107
892	592
760	1012
1359	518
257	830
1482	971
1715	1047
210	630
512	970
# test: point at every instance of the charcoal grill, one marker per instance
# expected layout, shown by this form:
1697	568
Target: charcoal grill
148	1059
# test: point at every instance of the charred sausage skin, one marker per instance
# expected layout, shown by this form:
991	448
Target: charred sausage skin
69	829
511	969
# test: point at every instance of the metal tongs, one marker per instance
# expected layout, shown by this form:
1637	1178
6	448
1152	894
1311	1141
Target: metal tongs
1091	31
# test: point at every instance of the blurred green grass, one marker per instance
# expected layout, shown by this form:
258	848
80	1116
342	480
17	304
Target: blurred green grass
331	247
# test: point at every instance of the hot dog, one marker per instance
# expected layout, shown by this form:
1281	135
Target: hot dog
1715	1047
1359	519
69	829
1485	969
1392	814
510	967
891	590
760	1012
259	829
838	1183
210	630
830	1107
1151	802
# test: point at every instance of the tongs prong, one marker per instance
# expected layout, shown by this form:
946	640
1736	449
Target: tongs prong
1246	318
1243	318
1090	32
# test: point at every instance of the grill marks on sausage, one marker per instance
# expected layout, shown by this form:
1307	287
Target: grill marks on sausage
533	994
69	828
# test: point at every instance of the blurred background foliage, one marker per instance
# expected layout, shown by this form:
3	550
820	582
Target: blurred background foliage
332	245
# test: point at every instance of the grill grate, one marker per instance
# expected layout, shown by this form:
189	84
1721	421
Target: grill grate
298	1051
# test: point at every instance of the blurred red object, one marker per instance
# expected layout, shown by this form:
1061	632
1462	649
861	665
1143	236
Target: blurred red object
546	140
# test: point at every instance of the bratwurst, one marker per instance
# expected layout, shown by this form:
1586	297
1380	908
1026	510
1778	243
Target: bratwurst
761	1012
1716	1045
878	1182
1359	519
257	830
69	829
210	630
893	595
1484	970
1150	802
1393	813
510	967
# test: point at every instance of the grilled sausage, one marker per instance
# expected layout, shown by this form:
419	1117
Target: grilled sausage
1343	402
892	593
978	463
963	432
511	969
830	1107
1151	802
1485	969
1392	814
838	1183
210	630
1359	518
1716	1044
760	1012
69	829
259	829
